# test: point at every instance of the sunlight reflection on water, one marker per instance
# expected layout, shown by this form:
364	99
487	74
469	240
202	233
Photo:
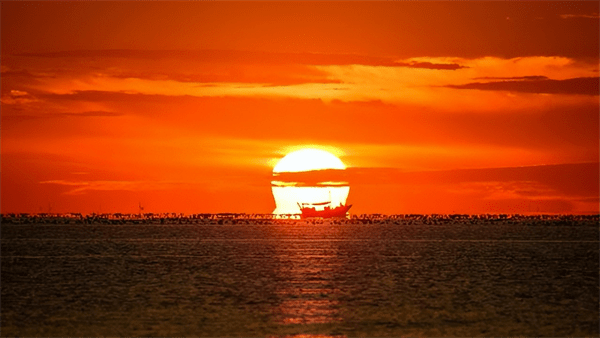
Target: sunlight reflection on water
306	287
313	336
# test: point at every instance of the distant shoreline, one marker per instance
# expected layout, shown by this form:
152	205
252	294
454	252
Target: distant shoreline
235	219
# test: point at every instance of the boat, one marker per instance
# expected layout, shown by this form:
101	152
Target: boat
309	210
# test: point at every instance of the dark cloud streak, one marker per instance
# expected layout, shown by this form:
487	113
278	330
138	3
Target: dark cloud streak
245	57
62	115
581	86
580	16
572	179
523	78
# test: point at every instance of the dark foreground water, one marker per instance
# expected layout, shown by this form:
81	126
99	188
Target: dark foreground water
289	279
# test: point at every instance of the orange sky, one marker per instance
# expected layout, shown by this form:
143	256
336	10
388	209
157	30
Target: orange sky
435	107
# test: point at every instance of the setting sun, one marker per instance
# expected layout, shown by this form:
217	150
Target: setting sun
308	159
311	178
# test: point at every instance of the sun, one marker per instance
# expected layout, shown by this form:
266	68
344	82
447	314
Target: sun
288	195
308	159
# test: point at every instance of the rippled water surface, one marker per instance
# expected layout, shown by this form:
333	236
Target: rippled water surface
289	279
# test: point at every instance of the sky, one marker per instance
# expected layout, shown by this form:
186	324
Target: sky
434	107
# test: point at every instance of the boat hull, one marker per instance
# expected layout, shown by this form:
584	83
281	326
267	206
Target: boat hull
339	212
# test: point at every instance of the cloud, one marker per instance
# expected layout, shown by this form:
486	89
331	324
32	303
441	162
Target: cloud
581	86
246	57
273	75
573	179
507	133
523	78
81	187
93	114
564	188
422	81
580	16
314	178
17	97
429	65
17	73
544	181
62	115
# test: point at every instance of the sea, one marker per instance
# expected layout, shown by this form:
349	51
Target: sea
384	278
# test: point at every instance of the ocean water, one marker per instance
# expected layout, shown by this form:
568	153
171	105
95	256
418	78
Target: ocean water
293	278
